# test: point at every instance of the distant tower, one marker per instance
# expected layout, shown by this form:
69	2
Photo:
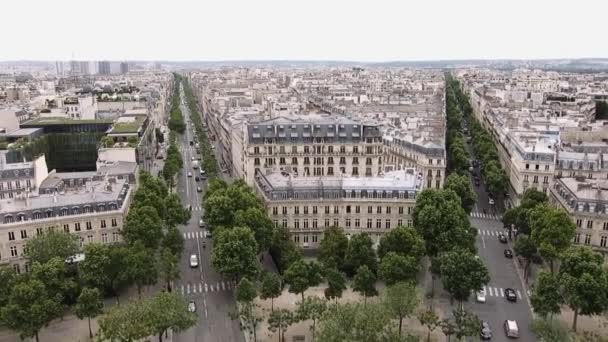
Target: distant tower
59	68
124	68
104	68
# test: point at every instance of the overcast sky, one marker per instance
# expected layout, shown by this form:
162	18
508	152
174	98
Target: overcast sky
356	30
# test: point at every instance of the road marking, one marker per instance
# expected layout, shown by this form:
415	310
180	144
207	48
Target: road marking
490	291
502	294
519	294
188	289
205	306
211	286
185	236
200	288
483	242
223	287
206	289
193	288
217	286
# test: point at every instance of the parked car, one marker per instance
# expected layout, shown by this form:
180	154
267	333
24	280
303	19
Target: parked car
508	254
192	306
502	237
208	234
511	328
199	189
486	331
189	174
201	223
510	294
491	201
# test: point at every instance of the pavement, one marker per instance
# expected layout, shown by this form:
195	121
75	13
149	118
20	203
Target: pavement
212	293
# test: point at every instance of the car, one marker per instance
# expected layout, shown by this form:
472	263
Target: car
193	261
510	294
192	158
508	254
511	328
485	331
190	208
480	296
191	143
502	237
199	157
208	234
189	173
491	201
192	306
199	189
201	223
197	178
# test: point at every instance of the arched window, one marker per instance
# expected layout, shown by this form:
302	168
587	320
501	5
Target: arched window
49	213
8	219
75	210
20	217
64	212
101	207
113	206
87	209
37	215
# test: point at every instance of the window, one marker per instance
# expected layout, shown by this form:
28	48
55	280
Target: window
306	149
115	236
547	167
306	161
357	223
66	228
77	226
369	223
296	238
342	160
603	240
314	209
336	209
409	223
330	160
605	226
378	223
276	223
24	234
330	149
17	268
355	160
579	223
336	222
256	161
294	161
527	166
400	210
282	161
330	171
536	167
577	238
535	179
355	149
357	209
369	209
399	222
587	239
11	236
305	238
314	223
256	150
314	238
296	210
342	149
275	211
305	223
13	251
387	224
355	171
348	222
104	237
89	238
388	210
589	224
114	222
305	210
326	222
348	209
284	223
378	210
89	225
327	209
296	224
284	210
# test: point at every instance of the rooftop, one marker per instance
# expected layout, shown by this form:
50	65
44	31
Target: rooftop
63	121
128	124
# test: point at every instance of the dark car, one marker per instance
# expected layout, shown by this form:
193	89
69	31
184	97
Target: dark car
508	254
510	294
197	178
502	238
485	331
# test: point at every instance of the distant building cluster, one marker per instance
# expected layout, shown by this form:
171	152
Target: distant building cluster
551	134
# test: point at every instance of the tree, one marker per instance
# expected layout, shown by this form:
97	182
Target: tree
141	266
365	283
584	281
56	279
168	266
44	247
245	291
167	311
401	300
461	185
271	287
462	273
89	305
8	278
174	213
143	224
30	308
525	247
247	314
395	268
301	275
430	320
129	323
403	241
105	267
311	308
546	298
235	253
260	224
174	241
466	324
552	231
283	250
332	249
280	320
360	252
336	284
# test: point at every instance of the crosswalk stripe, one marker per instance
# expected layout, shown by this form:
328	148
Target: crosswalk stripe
188	289
211	286
200	288
489	288
223	287
519	294
217	286
496	291
206	289
185	236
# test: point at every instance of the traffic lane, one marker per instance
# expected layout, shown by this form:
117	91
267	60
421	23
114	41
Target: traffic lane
218	326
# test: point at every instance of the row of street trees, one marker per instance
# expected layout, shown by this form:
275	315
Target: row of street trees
209	162
174	161
458	155
176	119
483	143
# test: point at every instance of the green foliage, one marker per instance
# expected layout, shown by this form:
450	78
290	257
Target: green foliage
105	267
461	185
520	216
271	287
283	250
360	252
584	282
141	266
546	298
462	273
174	241
311	308
30	308
168	266
167	311
365	282
403	241
552	231
332	249
601	110
246	291
143	224
56	279
395	268
89	305
549	330
400	300
8	278
235	253
444	225
301	275
42	248
336	284
258	221
466	324
430	320
280	320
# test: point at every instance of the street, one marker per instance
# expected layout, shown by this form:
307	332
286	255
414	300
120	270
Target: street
504	272
212	293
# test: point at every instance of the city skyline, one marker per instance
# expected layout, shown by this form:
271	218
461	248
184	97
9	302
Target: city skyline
237	30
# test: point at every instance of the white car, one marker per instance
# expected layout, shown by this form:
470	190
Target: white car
192	306
193	261
189	174
480	296
491	201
